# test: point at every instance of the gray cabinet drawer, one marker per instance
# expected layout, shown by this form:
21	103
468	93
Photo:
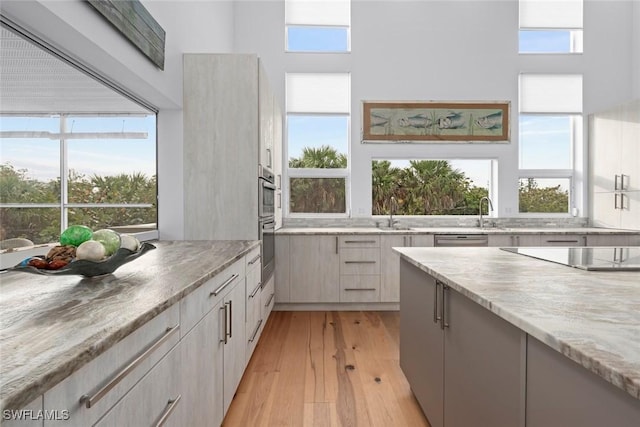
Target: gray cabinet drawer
362	241
563	240
360	261
364	288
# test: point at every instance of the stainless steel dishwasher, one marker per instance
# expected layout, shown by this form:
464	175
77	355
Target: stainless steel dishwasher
461	240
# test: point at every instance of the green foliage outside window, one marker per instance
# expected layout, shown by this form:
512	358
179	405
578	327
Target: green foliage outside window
42	225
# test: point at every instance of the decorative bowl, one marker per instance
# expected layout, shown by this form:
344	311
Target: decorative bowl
88	268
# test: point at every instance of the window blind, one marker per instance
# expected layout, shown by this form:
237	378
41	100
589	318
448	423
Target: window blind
551	14
550	93
318	93
318	12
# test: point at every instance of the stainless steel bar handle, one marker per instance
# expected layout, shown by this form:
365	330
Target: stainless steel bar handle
622	201
615	182
336	244
171	406
561	241
255	291
360	289
622	182
615	201
90	401
410	240
253	261
359	262
360	241
517	240
224	285
279	200
230	319
584	240
404	240
224	335
253	336
270	299
269	157
511	238
435	303
444	322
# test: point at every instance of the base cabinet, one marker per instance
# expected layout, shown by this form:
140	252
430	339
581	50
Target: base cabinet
562	393
314	274
235	343
390	262
465	365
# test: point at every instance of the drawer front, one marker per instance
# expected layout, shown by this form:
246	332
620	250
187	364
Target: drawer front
253	259
360	288
156	397
360	261
366	241
563	240
268	299
194	306
148	344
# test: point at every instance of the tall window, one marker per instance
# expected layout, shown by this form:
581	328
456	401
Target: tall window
317	25
318	112
550	26
550	128
60	170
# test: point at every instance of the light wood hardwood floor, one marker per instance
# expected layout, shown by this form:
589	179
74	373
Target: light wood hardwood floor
326	369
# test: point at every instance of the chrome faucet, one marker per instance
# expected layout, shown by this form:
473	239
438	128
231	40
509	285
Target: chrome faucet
393	205
489	208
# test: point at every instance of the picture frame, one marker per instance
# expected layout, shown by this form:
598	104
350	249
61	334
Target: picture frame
435	121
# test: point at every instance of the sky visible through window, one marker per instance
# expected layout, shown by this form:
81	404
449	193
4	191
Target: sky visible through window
540	41
104	157
317	39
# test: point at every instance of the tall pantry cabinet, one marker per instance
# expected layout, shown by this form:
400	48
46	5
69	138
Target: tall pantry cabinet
232	123
614	164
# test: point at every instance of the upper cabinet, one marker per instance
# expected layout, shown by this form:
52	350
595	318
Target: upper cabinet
230	127
614	165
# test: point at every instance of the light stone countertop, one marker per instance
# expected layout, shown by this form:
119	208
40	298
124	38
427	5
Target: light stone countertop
50	326
451	230
591	317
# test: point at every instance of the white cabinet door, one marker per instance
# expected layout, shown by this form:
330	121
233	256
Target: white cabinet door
156	397
605	136
390	267
282	282
314	269
630	210
202	372
235	345
604	211
630	147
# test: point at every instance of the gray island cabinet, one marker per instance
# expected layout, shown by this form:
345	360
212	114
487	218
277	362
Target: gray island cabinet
488	337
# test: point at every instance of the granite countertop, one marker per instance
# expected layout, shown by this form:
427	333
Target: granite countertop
50	326
450	230
591	317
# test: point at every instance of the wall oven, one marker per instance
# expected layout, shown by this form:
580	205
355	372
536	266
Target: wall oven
266	193
266	222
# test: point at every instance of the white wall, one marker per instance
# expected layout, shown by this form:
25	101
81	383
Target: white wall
191	26
446	50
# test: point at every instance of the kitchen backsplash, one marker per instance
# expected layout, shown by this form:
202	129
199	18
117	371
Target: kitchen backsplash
471	221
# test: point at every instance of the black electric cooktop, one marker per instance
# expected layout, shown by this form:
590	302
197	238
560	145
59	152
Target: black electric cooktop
592	259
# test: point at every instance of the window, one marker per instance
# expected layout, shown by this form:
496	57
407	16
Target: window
430	187
550	127
100	173
318	108
550	26
317	26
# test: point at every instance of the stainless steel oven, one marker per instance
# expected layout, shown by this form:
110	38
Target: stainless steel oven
268	251
266	193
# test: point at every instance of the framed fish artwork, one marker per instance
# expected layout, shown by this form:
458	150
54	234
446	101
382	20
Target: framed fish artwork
435	121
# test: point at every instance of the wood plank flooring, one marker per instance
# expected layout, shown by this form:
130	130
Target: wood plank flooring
326	369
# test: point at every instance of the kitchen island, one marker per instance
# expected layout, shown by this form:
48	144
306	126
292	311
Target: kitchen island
518	341
52	326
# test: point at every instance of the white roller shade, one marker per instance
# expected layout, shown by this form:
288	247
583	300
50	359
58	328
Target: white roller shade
566	14
318	12
551	93
318	93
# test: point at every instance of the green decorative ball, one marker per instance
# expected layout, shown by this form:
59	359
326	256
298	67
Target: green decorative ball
109	238
75	235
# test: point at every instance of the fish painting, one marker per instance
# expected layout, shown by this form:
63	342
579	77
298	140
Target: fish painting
420	121
491	121
451	121
377	120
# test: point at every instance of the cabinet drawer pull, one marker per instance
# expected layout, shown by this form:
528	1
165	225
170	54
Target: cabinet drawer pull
622	201
444	323
336	244
253	336
90	401
230	318
171	406
224	285
360	289
224	338
255	291
615	182
360	241
561	241
436	317
359	262
270	299
253	261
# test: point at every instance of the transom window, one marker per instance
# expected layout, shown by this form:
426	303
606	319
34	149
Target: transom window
550	26
317	25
